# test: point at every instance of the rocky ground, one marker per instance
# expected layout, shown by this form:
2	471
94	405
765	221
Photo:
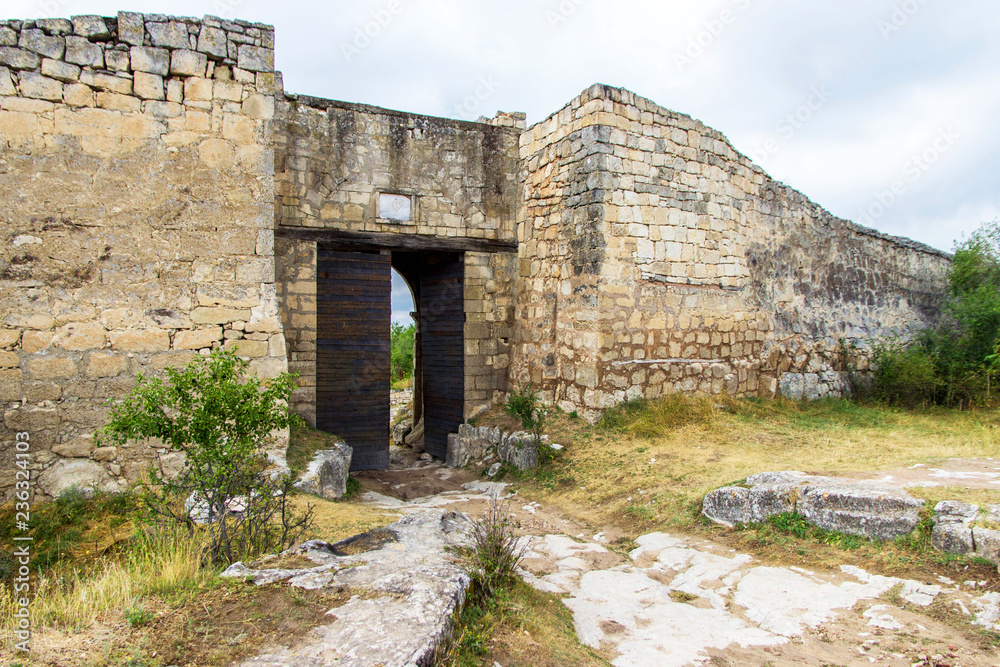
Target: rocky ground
679	600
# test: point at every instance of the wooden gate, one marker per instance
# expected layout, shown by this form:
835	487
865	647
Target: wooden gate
353	311
442	332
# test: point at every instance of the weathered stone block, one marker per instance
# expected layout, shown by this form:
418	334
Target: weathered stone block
249	348
230	91
101	365
105	454
9	360
46	45
184	62
59	70
173	360
519	450
40	87
173	35
116	84
327	474
268	325
79	473
81	51
9	337
213	41
78	336
77	448
7	86
198	90
259	106
203	315
91	27
36	341
875	512
255	58
19	58
7	36
149	59
198	339
131	28
49	368
140	340
119	61
31	419
149	86
55	26
11	385
987	543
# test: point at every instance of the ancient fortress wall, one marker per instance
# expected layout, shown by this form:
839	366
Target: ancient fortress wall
654	258
136	163
333	161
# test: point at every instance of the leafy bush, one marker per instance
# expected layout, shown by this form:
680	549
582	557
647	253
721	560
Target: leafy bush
401	349
222	417
906	376
524	404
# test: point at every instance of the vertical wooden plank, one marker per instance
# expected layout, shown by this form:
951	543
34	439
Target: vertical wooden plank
353	311
442	327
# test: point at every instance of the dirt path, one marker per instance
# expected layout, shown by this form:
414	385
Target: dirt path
676	600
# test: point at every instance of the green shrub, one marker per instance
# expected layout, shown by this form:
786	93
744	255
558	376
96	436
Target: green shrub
222	417
401	350
496	552
906	375
524	404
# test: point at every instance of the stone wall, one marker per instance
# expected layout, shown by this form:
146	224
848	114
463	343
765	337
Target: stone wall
137	160
333	161
654	258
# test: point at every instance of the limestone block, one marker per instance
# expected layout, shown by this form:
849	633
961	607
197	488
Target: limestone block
218	315
149	86
238	129
255	271
259	106
49	368
37	41
105	454
7	36
875	512
727	506
117	102
519	450
80	51
131	28
276	346
31	419
151	60
175	91
172	463
77	448
81	336
173	360
326	475
400	431
198	339
9	360
184	62
19	58
102	365
11	384
119	61
116	84
269	367
59	70
140	340
76	95
255	58
196	89
231	91
267	325
80	473
7	86
214	42
55	26
91	27
987	543
36	341
9	337
173	35
248	348
40	87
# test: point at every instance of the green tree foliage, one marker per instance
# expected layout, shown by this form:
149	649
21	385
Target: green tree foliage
958	361
401	346
221	417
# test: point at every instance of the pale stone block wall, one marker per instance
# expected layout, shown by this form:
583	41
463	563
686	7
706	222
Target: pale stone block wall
655	258
136	158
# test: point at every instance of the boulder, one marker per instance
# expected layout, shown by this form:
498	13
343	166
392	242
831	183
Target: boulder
83	474
327	473
953	527
400	431
520	450
415	438
847	506
471	444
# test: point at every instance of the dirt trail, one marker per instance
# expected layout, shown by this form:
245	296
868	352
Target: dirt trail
678	600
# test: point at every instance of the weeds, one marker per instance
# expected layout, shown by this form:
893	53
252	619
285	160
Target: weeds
496	552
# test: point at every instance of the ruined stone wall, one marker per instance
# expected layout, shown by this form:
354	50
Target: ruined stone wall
136	162
654	258
334	160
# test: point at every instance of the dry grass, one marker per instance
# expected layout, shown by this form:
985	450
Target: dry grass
647	465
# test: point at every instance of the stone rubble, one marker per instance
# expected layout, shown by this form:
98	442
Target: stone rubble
326	475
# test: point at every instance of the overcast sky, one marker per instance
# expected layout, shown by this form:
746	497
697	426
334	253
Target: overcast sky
884	112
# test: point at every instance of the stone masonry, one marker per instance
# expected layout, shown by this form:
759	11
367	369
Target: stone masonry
137	167
165	197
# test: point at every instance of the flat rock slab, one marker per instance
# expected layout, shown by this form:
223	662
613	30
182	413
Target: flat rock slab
682	601
856	507
408	587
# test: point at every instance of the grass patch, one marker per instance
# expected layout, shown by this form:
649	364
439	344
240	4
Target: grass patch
303	443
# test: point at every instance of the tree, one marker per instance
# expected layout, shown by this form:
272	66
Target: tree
222	417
